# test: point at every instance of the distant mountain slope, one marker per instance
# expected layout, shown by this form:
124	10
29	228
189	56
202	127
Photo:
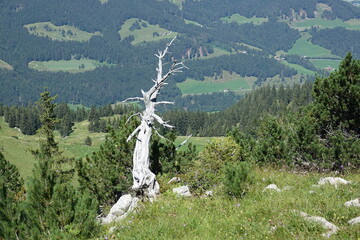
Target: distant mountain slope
126	61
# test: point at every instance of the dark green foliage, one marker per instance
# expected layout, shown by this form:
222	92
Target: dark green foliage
238	178
107	173
53	206
336	98
88	141
12	192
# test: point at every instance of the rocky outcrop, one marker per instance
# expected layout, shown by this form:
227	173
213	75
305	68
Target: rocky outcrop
121	209
183	191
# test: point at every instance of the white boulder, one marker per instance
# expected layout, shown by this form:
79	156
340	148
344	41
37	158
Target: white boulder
353	203
121	209
332	229
272	187
183	191
354	221
335	181
174	180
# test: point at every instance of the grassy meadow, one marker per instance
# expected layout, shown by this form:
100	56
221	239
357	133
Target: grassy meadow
324	63
353	24
258	215
225	82
304	47
59	33
72	66
241	19
5	65
299	69
146	33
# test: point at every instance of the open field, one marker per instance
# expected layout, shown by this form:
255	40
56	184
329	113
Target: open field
241	19
324	63
304	47
298	68
222	83
353	24
59	33
178	2
146	33
258	215
5	65
15	145
72	66
199	142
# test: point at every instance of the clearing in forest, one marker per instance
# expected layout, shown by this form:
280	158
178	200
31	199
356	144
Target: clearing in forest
142	31
241	19
226	81
304	47
59	33
72	66
353	24
5	65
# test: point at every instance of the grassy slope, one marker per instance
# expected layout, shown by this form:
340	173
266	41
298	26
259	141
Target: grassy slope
15	145
59	33
323	63
259	215
5	65
228	81
145	33
241	19
71	66
353	24
304	47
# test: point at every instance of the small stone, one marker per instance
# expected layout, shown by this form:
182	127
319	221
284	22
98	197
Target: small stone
353	203
354	221
272	187
312	192
335	181
183	191
287	188
121	209
209	193
174	180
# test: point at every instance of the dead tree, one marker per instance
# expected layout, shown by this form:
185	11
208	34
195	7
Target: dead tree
144	181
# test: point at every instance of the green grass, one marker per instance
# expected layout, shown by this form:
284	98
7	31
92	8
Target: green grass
192	22
228	81
299	69
304	47
59	33
241	19
145	34
259	215
199	142
178	2
5	65
15	145
324	63
72	66
322	23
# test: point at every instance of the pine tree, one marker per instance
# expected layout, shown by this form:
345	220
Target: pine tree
53	203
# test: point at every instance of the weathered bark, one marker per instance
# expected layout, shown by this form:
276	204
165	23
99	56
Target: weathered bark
144	181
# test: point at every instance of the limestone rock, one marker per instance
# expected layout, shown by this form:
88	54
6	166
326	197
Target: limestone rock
174	180
121	209
209	193
272	187
182	191
353	203
332	229
354	221
335	181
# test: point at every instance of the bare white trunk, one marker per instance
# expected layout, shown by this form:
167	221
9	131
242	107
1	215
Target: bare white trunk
144	181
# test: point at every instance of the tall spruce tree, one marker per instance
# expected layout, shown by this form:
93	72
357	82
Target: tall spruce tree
55	210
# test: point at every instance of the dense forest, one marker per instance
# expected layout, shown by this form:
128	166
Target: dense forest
133	64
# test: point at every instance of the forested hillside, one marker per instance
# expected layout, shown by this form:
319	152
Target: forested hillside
95	53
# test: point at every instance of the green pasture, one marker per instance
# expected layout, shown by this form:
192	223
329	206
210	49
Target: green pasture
324	63
221	83
241	19
323	23
304	47
299	69
5	65
178	2
199	142
72	66
59	33
15	145
146	33
258	215
192	22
